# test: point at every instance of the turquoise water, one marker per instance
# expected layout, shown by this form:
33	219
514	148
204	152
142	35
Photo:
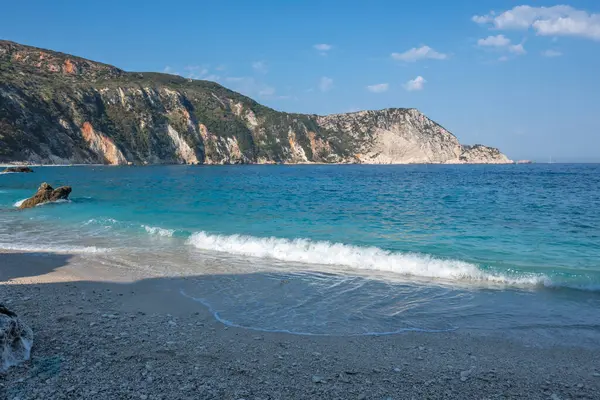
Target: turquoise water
373	249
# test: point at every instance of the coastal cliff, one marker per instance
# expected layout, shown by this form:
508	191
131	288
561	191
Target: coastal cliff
61	109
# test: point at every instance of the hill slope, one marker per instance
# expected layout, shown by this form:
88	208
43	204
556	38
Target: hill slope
58	108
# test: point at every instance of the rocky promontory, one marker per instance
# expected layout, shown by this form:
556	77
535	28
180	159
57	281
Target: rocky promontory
20	169
56	108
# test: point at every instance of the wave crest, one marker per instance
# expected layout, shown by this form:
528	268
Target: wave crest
366	258
101	221
154	230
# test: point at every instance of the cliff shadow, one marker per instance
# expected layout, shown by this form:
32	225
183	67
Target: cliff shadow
22	265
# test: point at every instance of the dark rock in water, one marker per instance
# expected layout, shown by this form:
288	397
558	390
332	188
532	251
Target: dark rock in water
16	339
18	169
46	194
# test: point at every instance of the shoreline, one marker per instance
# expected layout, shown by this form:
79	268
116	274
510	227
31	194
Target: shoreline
24	163
286	164
103	333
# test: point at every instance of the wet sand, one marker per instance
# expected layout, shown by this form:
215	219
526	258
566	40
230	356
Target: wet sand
105	334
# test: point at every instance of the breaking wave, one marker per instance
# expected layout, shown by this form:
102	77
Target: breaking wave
365	258
101	221
153	230
376	259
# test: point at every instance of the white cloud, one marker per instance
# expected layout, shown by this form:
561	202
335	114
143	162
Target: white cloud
495	41
415	84
517	49
325	84
503	58
323	48
378	88
170	70
551	53
200	72
260	67
250	86
421	53
195	71
558	20
266	91
482	19
502	43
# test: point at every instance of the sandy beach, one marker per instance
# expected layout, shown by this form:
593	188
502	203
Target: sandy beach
136	337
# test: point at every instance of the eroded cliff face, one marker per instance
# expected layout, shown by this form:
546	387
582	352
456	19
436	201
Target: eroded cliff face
56	108
395	136
102	145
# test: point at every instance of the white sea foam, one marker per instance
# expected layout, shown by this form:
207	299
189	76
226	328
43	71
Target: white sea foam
49	248
365	258
101	221
54	202
153	230
18	203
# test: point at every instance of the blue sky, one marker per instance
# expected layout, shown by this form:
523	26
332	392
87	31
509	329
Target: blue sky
524	79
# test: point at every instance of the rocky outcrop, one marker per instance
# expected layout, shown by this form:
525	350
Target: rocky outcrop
479	154
16	339
18	169
46	194
395	136
60	109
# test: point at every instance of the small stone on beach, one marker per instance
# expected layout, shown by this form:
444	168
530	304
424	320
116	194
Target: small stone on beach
464	375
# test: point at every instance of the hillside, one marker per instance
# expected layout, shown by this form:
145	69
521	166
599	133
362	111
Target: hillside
60	109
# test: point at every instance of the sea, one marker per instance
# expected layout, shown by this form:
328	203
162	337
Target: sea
510	250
